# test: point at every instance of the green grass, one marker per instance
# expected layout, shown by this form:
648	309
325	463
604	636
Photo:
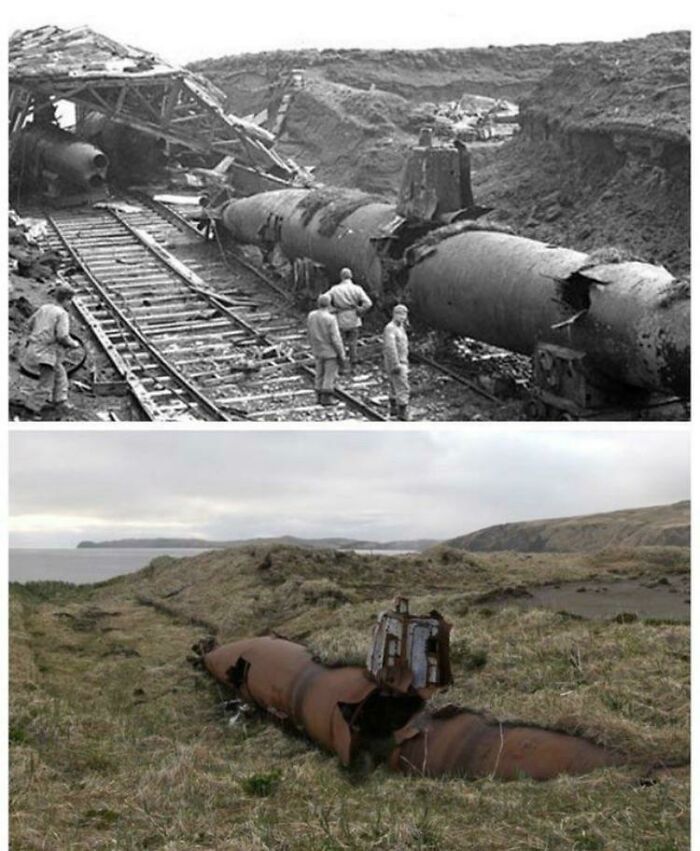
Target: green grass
117	742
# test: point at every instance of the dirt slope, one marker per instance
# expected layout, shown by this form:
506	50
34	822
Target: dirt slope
663	525
641	83
604	153
418	75
603	158
352	137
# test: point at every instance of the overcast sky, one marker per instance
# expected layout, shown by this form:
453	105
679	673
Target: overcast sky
182	32
66	486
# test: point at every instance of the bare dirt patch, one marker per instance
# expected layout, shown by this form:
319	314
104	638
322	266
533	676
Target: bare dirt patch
663	598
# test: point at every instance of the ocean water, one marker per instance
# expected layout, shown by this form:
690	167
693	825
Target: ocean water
96	565
84	565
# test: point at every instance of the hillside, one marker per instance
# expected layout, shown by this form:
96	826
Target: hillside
604	153
416	75
203	544
662	525
116	742
603	156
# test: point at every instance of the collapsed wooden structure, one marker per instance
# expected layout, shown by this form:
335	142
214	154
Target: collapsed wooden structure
133	87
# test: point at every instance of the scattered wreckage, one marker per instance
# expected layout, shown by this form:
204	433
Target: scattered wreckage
381	708
128	100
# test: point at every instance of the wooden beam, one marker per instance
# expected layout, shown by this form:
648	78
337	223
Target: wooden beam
98	98
155	113
170	100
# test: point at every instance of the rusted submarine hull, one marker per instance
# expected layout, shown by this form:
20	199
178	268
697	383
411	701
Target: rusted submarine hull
630	319
52	150
344	709
335	707
463	744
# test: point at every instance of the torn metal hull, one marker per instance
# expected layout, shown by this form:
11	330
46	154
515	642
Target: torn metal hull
630	319
345	709
329	704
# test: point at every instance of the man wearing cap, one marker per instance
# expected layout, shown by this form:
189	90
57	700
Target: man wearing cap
327	348
49	336
349	302
395	348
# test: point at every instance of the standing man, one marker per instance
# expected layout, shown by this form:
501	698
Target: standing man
49	337
395	347
349	302
327	348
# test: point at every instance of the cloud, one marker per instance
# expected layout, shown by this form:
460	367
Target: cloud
365	483
364	23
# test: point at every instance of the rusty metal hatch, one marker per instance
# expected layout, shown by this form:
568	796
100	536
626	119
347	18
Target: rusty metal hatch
410	653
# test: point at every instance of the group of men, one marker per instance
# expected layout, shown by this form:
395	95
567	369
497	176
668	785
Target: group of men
333	330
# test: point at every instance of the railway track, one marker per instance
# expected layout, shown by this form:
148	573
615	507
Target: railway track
187	350
200	334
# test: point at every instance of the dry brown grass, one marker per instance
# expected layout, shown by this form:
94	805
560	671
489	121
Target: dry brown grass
116	742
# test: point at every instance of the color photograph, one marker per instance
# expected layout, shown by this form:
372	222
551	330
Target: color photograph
305	640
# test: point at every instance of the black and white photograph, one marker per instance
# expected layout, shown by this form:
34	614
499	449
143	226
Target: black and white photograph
485	231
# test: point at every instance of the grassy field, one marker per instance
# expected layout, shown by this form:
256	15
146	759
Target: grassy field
118	743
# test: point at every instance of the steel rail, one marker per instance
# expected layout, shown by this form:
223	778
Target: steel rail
206	404
180	221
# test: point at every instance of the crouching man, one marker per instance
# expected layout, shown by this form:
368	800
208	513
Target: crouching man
49	337
326	347
395	346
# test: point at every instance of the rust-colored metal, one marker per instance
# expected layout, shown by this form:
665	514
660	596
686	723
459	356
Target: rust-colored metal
410	653
460	743
347	709
339	708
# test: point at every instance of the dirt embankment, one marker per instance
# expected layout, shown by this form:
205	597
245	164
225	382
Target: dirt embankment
604	153
665	525
603	157
361	110
351	137
416	75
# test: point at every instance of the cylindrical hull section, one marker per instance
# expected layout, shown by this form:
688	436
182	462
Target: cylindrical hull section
303	225
282	678
344	708
631	319
465	745
513	292
77	162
